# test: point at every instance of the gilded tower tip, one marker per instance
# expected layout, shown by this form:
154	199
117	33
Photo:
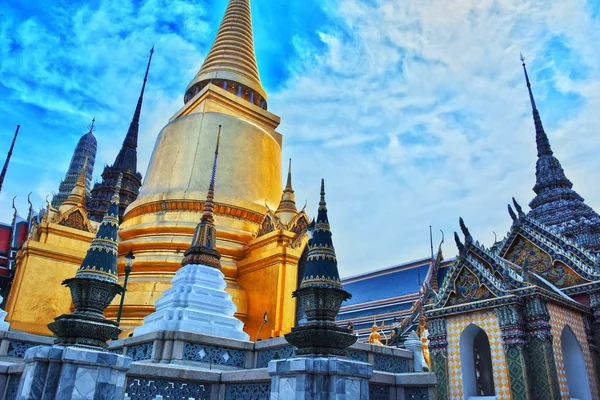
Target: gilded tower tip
231	60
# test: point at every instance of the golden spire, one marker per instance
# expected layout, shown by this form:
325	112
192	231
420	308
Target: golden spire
77	195
204	244
287	206
232	57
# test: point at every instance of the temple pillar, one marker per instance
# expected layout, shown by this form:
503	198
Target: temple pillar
514	339
541	367
438	348
593	330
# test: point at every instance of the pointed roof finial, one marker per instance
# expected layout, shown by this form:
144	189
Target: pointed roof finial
543	144
321	265
92	126
286	211
322	203
126	160
203	250
10	150
232	56
288	184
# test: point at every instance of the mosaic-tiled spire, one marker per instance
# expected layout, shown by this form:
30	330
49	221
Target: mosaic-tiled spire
10	150
77	195
204	244
86	147
125	164
321	265
556	204
100	262
127	158
287	206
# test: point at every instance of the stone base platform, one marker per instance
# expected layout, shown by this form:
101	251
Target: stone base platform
60	373
319	378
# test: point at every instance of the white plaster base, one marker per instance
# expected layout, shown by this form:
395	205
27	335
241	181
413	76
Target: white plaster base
197	302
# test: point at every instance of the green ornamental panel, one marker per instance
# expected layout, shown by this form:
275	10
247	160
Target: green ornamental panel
543	379
441	372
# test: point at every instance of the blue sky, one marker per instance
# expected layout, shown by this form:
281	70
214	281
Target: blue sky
415	113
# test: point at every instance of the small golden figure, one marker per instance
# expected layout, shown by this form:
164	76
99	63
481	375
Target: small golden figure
375	337
425	340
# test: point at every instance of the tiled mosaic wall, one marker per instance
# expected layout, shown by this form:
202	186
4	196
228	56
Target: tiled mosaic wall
487	321
559	317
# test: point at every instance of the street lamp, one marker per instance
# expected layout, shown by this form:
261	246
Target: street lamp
128	263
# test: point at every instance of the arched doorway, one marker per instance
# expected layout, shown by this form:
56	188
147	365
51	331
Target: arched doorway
574	364
476	363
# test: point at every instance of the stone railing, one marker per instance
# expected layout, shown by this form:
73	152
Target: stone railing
182	365
14	344
228	354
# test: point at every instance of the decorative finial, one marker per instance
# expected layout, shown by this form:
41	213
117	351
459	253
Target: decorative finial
152	50
289	177
465	231
14	208
203	249
518	208
512	213
543	144
322	203
8	156
461	247
29	201
92	127
116	198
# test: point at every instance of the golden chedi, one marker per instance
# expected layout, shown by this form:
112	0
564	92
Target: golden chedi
159	225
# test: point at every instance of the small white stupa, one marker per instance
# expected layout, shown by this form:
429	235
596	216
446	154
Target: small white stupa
197	302
3	324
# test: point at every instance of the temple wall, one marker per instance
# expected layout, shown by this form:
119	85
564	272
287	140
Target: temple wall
559	318
487	321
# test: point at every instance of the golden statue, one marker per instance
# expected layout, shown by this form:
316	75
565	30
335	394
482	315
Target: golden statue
375	337
425	340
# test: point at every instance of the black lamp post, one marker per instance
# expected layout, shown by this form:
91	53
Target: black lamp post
128	263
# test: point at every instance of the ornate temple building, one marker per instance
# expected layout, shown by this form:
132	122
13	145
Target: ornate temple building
125	165
86	148
521	319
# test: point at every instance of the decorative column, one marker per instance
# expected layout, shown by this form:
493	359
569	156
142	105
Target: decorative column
78	365
321	371
541	368
593	330
438	348
514	338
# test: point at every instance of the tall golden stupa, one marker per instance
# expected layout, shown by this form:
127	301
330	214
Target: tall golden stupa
261	272
260	248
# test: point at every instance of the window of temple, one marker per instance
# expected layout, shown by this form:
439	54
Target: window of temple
476	364
574	364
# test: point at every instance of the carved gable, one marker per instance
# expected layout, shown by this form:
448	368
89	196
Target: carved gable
540	262
468	288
